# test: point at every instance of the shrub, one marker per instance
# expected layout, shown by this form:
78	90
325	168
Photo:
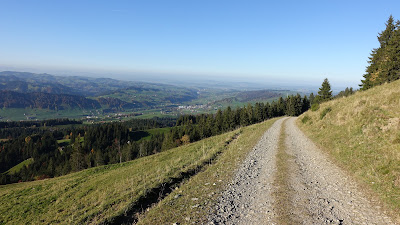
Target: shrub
305	119
324	112
314	107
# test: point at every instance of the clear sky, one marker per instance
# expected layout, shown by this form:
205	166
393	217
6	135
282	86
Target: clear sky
290	41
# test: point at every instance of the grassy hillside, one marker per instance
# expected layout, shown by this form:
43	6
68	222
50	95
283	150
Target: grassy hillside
19	166
362	133
105	194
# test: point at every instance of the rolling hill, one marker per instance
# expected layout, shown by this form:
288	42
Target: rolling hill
362	134
40	100
47	96
26	82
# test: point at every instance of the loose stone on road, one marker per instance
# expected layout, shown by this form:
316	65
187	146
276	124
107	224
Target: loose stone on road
316	191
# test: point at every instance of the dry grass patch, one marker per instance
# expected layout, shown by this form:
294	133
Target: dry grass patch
283	192
362	133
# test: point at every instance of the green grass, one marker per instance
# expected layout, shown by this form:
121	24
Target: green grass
62	141
361	133
99	194
18	167
40	114
68	141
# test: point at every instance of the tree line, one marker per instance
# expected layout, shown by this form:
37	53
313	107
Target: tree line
59	151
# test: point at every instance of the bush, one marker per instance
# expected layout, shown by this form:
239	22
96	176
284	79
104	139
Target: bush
314	107
305	119
324	112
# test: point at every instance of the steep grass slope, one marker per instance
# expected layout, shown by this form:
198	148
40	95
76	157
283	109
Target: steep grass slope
362	133
110	194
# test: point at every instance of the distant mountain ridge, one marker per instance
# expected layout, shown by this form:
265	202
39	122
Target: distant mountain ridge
45	91
40	100
86	86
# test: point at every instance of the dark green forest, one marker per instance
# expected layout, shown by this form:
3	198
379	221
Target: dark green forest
59	147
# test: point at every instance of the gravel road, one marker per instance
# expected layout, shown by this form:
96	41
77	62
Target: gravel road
319	191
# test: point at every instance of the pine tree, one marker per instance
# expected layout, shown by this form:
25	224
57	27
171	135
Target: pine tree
228	119
311	98
306	104
325	92
77	156
392	64
290	106
384	65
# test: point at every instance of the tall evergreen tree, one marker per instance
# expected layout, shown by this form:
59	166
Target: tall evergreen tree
325	92
311	99
384	65
77	156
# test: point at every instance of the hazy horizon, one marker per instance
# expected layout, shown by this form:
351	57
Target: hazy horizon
195	80
266	43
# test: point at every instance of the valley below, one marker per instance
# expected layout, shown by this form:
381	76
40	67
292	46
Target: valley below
30	96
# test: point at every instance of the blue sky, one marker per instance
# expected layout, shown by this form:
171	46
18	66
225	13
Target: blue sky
288	41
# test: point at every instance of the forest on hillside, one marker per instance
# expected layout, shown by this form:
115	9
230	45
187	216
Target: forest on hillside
38	150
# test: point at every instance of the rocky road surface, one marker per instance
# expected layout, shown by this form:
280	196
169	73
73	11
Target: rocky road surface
319	192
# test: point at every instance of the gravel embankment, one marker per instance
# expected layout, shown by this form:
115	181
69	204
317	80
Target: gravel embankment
321	193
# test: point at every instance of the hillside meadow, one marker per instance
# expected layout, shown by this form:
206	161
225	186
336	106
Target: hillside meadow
362	134
106	194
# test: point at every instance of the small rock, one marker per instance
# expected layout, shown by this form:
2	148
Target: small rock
195	199
195	206
187	218
177	196
206	183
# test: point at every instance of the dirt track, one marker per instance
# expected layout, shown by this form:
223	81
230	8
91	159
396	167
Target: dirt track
300	186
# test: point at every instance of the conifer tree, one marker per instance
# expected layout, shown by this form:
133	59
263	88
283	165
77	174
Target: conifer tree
384	65
77	156
325	92
311	99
